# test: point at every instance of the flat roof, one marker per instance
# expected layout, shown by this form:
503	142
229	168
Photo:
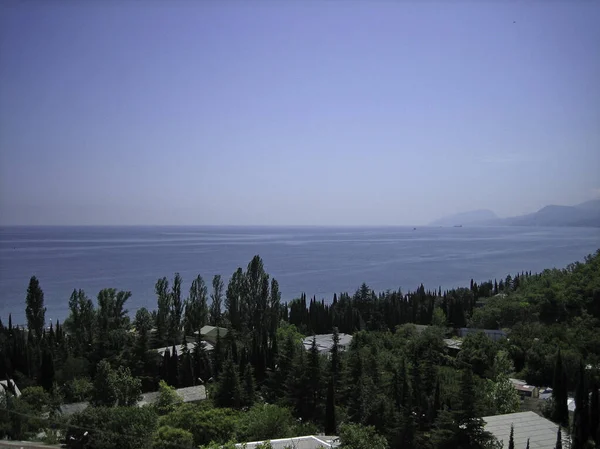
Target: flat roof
325	341
540	431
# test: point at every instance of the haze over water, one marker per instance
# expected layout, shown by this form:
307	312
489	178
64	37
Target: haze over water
315	260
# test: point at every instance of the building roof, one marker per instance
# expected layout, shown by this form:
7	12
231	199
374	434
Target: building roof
540	431
306	442
325	341
211	332
452	343
75	407
9	385
188	394
4	385
190	346
521	385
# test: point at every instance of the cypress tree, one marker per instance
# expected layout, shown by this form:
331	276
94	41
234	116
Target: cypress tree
35	310
558	439
511	439
166	363
249	389
595	415
228	392
217	354
330	415
560	413
174	369
46	379
581	419
527	444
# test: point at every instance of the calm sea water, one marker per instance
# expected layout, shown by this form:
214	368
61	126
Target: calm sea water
317	261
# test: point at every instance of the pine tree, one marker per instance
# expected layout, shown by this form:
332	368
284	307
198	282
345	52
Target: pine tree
560	413
314	379
527	444
558	439
35	310
201	363
330	415
186	372
581	419
217	354
511	439
335	358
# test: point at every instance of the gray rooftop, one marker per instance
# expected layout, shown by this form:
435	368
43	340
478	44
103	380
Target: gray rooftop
190	346
306	442
325	342
4	385
540	431
188	394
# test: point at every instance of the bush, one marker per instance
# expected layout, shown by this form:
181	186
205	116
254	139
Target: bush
206	425
167	437
265	421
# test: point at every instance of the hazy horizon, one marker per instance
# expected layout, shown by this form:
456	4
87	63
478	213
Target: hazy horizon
295	113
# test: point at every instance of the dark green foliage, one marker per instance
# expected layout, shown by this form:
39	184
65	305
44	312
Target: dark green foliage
216	301
595	414
196	306
46	379
249	389
511	438
330	415
354	436
206	425
560	413
581	418
228	392
167	437
35	310
115	427
173	368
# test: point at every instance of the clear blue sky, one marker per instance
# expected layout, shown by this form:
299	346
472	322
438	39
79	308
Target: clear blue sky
306	112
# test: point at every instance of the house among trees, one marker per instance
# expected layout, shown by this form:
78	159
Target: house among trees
525	390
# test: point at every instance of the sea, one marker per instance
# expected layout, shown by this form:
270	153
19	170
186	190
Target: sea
317	261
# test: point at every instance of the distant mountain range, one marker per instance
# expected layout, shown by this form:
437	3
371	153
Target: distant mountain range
584	215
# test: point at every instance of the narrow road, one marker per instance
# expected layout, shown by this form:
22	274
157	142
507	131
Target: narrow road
25	445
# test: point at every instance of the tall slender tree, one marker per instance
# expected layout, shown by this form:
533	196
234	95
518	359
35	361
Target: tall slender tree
560	412
511	438
216	300
35	310
581	418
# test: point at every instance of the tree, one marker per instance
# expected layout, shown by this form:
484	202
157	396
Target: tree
501	396
167	400
46	379
104	393
164	308
265	421
355	436
35	310
595	414
115	387
176	311
228	392
248	393
330	416
80	323
511	439
122	427
167	437
216	300
173	368
560	413
558	439
196	308
581	419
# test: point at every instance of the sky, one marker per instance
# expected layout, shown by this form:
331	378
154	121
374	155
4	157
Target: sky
313	112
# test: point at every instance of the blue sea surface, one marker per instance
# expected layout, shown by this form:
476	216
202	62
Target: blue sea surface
314	260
